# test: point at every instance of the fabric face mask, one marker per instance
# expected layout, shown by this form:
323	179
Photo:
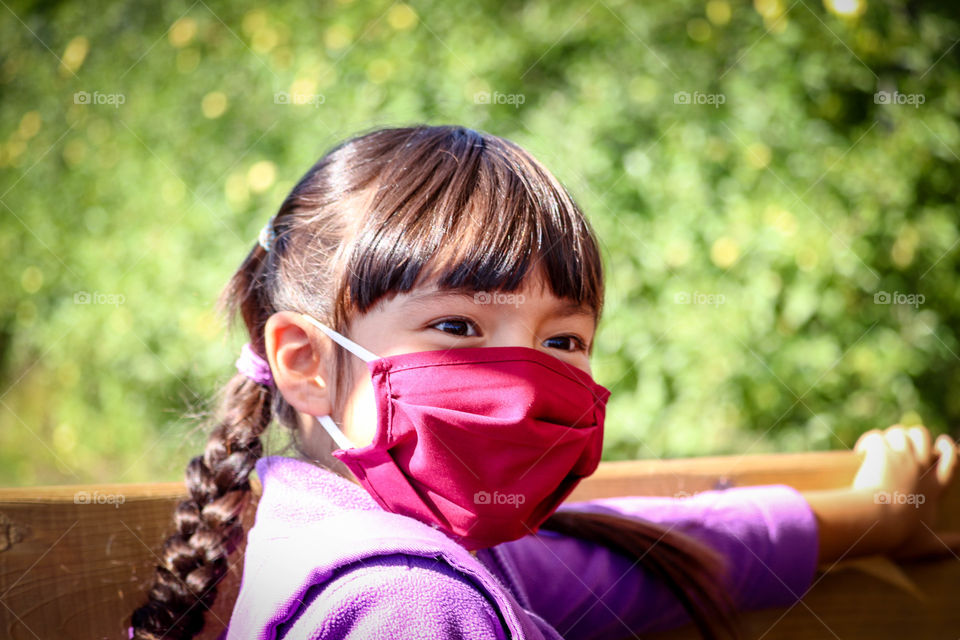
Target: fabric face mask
482	443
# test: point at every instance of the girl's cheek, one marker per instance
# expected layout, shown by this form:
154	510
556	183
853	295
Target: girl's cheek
360	414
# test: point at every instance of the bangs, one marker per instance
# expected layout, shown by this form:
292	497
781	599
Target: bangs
468	211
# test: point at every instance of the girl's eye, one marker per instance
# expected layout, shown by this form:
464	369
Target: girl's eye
456	326
568	343
462	327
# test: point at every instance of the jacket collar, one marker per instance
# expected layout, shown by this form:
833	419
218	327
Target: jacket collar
311	522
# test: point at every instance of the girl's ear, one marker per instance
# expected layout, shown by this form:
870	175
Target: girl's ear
300	367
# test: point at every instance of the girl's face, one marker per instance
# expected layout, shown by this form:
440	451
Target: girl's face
424	319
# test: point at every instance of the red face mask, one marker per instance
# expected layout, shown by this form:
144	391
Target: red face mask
482	443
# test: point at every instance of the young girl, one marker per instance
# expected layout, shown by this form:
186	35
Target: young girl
421	313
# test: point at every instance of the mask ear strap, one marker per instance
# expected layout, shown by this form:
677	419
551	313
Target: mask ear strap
326	421
331	427
343	341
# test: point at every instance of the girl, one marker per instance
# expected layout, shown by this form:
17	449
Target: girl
421	313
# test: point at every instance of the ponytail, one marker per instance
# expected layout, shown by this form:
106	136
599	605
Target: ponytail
208	527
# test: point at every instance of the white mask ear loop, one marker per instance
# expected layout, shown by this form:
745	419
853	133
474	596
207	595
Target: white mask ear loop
331	427
326	421
343	341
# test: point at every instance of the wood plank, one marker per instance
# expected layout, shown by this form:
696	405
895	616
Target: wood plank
74	565
80	569
816	470
849	602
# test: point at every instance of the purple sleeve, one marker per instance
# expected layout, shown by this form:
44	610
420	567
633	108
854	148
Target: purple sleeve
767	533
396	597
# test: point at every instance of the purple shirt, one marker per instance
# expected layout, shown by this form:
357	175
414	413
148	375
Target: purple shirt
324	560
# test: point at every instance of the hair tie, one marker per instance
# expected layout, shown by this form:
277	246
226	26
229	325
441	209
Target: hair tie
267	235
253	366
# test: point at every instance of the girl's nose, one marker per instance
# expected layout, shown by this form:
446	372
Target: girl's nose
514	334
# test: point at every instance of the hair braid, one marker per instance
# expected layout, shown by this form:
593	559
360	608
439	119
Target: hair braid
208	527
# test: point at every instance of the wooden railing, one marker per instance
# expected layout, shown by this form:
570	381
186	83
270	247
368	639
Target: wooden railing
76	560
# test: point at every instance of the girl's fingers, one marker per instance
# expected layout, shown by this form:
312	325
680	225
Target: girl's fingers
948	459
920	438
874	454
868	441
897	438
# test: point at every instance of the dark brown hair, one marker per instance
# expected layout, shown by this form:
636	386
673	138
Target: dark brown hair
361	225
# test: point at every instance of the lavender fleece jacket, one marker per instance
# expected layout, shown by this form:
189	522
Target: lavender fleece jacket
325	561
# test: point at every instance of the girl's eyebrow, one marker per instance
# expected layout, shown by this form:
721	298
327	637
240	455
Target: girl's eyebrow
562	309
429	296
571	308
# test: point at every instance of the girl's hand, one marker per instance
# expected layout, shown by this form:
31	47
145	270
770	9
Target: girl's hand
907	475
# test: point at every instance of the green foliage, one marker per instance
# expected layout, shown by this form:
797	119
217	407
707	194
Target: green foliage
748	234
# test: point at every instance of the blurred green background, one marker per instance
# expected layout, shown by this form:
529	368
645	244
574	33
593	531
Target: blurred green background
774	185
